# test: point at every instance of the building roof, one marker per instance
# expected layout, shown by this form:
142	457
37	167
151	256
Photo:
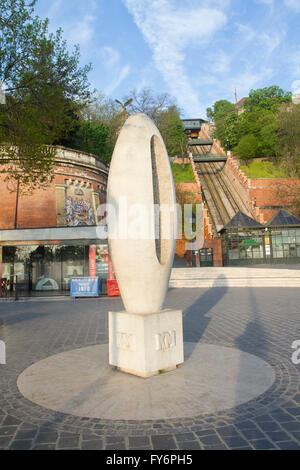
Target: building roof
190	124
240	102
241	220
283	218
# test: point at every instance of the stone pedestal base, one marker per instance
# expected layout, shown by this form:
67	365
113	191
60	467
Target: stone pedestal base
146	345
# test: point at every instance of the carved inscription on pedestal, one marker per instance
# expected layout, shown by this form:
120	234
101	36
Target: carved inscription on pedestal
125	341
165	340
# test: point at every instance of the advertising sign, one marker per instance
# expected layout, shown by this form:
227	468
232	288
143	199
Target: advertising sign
84	287
112	287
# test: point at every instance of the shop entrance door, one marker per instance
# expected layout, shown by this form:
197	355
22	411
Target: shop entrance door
206	257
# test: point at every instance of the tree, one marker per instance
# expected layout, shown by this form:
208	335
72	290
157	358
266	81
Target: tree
269	98
171	129
221	110
145	101
262	125
247	147
44	87
231	130
104	111
160	108
93	139
288	138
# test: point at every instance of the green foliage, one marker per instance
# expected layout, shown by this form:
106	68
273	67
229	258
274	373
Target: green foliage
269	98
171	129
230	130
93	139
288	138
181	174
44	86
223	112
259	169
261	124
247	147
160	108
256	125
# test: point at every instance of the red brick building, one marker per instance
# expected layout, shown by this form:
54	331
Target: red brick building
48	237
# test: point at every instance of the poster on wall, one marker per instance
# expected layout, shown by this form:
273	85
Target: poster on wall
99	261
79	206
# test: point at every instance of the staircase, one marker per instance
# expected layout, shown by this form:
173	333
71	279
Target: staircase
234	277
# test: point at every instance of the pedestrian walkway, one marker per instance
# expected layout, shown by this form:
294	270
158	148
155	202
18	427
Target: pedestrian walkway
262	322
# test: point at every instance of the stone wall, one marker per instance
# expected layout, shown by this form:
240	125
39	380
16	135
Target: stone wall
262	196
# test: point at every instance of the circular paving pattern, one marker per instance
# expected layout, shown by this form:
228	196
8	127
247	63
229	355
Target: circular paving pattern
212	379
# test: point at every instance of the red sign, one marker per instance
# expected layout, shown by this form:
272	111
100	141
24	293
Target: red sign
112	287
92	260
111	273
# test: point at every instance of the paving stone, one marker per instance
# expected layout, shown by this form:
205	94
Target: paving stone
269	426
253	434
163	442
212	440
262	444
4	441
277	436
93	445
227	431
68	442
47	437
205	432
114	439
11	421
8	430
139	441
189	445
291	426
26	434
248	319
24	444
288	445
235	441
187	436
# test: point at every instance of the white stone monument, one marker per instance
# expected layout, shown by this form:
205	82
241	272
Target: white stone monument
145	339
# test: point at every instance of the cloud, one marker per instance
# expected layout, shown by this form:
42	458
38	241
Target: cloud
79	27
124	72
295	87
293	4
116	72
83	31
169	30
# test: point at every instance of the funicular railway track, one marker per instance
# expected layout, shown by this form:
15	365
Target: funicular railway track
221	199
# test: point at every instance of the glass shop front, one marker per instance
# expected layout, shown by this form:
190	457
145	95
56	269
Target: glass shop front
43	270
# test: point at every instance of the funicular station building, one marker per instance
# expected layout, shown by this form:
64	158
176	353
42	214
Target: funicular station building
247	242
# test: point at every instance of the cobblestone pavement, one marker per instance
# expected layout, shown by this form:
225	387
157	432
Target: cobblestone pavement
260	321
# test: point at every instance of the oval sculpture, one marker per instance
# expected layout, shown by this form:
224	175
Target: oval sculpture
142	222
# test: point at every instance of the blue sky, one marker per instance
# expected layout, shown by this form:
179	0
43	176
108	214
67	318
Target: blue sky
197	51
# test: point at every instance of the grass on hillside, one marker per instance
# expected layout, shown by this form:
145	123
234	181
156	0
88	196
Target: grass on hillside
182	175
259	169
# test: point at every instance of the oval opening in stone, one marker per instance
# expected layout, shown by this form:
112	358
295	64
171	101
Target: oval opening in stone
163	200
